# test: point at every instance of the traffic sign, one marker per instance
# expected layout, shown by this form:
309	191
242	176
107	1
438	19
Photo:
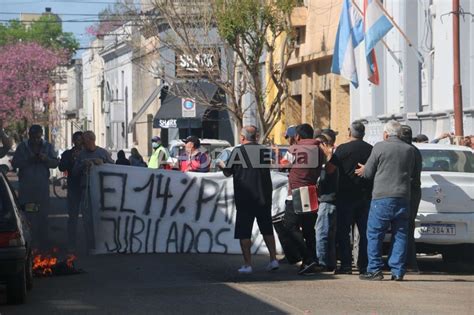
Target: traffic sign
188	107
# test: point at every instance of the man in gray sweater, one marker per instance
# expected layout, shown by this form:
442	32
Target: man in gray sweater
391	164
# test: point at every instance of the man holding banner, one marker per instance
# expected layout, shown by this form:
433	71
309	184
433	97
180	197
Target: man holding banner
90	155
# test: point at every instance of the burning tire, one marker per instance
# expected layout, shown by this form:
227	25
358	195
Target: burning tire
16	288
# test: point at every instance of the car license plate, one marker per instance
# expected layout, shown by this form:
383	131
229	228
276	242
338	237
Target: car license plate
438	229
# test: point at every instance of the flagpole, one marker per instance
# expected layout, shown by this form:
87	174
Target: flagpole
390	51
418	54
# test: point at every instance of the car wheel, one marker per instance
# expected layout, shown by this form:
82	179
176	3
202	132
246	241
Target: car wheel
29	273
16	288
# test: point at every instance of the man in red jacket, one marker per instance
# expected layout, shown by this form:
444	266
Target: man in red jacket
305	171
194	160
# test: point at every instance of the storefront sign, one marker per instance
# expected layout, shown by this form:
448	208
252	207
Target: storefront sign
168	123
197	65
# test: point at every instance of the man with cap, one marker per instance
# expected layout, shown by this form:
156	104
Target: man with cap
194	160
160	154
353	197
33	158
415	198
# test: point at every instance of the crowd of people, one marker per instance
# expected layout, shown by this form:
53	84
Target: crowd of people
34	158
330	192
372	188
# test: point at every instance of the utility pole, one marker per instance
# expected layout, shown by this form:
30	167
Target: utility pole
457	88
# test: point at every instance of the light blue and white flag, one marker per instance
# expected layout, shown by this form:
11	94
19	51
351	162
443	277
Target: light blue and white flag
376	24
350	33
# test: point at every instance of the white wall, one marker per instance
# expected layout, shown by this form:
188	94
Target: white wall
405	94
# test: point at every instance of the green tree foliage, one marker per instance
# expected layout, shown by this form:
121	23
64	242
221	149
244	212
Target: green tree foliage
254	38
251	28
46	31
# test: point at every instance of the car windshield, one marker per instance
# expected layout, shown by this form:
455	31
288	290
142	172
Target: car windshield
447	161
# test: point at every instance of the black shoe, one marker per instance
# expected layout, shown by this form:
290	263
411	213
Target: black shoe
372	276
397	278
307	269
328	269
343	271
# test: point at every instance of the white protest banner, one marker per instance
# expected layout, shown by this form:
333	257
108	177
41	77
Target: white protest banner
139	210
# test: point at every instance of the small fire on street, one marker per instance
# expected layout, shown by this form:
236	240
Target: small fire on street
48	264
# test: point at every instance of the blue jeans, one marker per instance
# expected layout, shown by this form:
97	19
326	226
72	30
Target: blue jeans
326	235
385	213
350	211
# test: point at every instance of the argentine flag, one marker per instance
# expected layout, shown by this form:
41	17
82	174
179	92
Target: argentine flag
376	26
350	33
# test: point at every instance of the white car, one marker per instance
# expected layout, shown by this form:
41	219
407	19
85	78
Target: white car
445	221
6	162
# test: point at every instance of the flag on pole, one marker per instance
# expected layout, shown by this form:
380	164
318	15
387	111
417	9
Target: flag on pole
376	26
350	33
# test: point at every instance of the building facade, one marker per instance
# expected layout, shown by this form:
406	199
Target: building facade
93	87
413	91
317	97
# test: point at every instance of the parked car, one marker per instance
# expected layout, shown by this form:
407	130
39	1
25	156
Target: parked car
15	251
212	146
445	221
6	162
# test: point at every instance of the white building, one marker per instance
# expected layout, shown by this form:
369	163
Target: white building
130	92
418	94
93	91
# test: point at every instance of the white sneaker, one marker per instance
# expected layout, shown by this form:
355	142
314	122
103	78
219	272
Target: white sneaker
273	265
245	269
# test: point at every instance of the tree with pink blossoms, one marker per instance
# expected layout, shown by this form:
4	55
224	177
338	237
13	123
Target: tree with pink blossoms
25	76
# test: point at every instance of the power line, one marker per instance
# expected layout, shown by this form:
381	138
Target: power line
52	13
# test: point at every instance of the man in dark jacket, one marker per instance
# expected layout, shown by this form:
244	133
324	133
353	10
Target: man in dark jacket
253	195
33	158
305	170
415	198
353	197
68	158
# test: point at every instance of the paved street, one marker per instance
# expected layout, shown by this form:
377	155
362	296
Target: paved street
192	283
147	284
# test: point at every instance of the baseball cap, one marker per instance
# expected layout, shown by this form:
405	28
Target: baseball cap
193	139
290	132
155	139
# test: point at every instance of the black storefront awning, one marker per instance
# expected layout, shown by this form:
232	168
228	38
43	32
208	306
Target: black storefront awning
170	113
